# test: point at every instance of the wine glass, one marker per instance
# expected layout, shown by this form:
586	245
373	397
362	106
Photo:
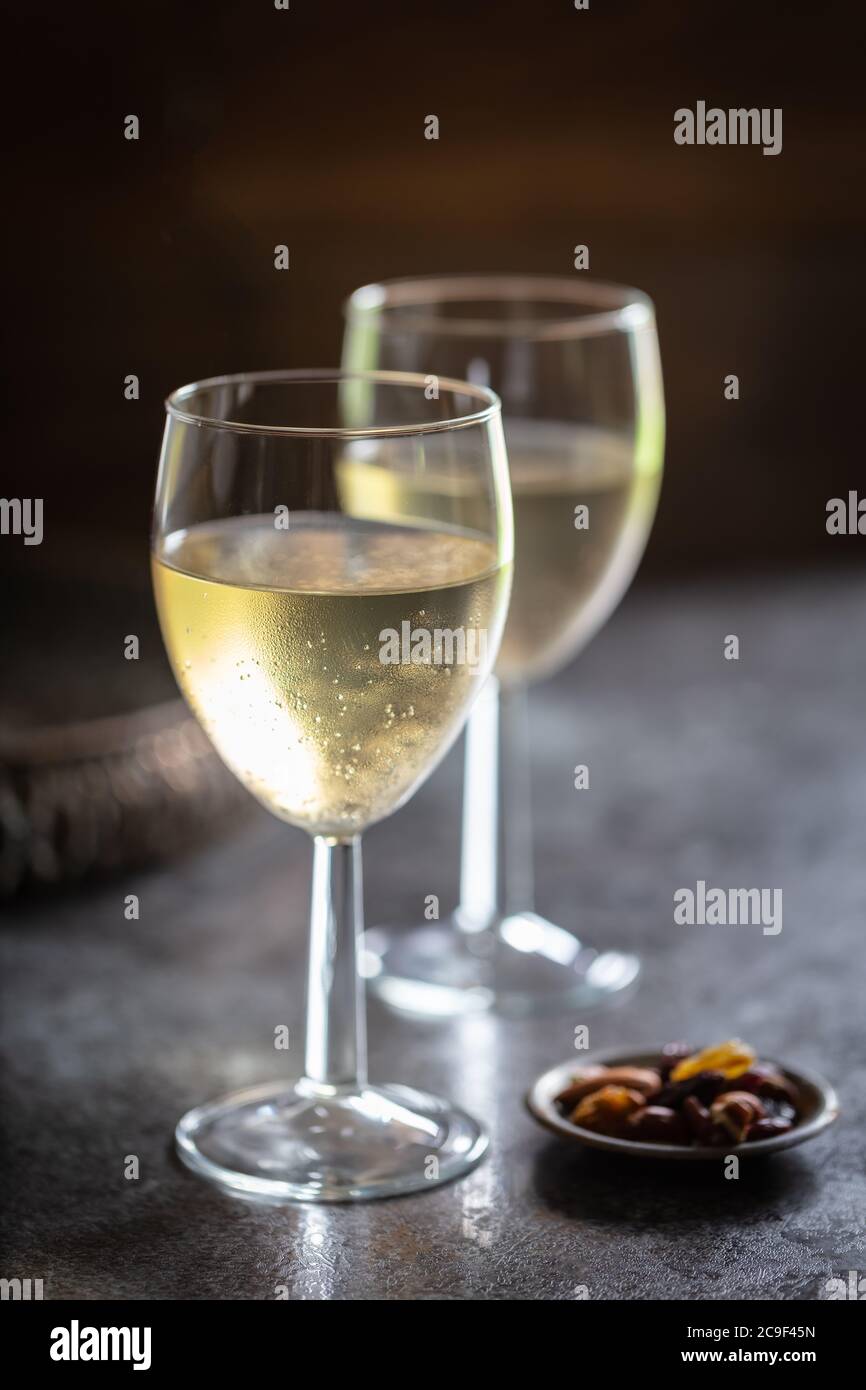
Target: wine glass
332	660
576	365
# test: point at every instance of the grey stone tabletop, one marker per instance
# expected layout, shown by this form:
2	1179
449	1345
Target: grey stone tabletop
749	772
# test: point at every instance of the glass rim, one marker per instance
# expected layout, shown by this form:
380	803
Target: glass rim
613	307
490	409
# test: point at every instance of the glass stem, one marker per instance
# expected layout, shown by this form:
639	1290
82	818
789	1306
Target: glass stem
515	800
336	1045
496	873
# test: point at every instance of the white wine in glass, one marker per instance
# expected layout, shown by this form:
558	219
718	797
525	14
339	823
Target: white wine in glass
576	365
275	638
332	660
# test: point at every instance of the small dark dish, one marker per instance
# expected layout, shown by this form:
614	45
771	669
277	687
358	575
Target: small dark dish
819	1107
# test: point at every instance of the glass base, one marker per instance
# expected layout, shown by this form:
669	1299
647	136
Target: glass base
523	965
302	1143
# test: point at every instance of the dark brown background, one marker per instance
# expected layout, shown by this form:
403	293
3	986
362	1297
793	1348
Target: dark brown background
306	127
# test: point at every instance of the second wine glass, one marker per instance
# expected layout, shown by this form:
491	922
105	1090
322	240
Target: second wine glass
576	365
